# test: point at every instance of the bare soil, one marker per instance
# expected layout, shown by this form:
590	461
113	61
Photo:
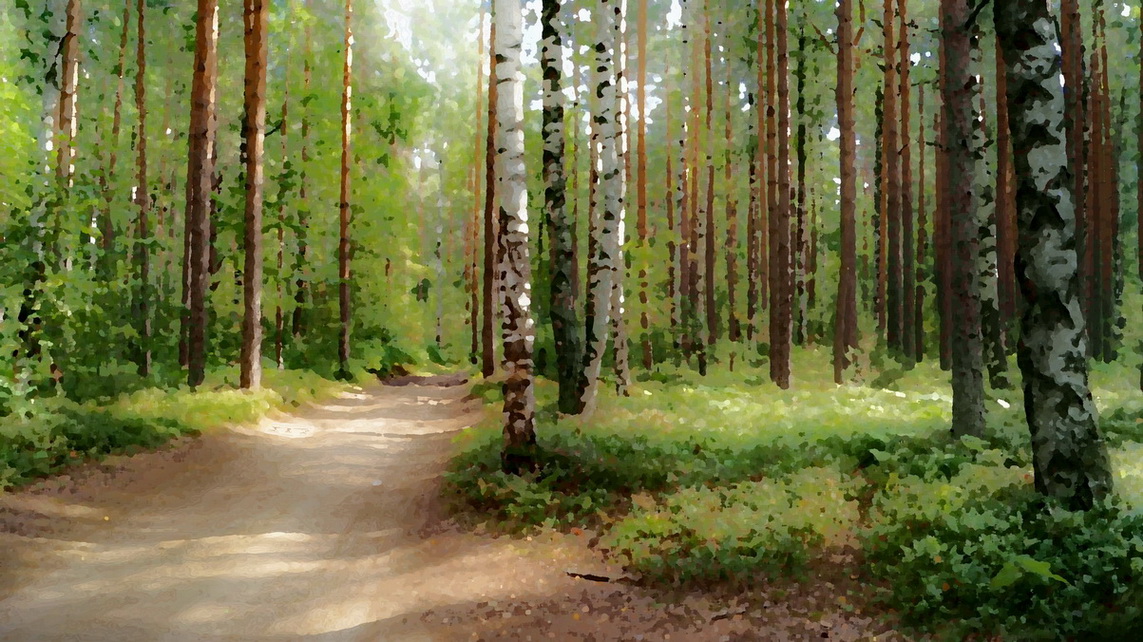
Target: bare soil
327	525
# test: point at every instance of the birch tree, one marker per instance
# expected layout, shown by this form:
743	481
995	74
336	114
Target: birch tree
605	263
511	182
1069	456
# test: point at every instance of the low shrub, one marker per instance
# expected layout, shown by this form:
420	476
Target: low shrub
735	533
983	551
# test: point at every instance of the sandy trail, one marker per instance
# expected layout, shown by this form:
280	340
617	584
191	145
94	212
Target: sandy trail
304	527
327	525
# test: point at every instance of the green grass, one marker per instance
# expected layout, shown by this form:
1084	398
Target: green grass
60	433
728	479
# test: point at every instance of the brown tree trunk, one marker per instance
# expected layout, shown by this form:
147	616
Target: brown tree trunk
256	15
922	224
1109	207
200	181
942	225
343	245
487	333
709	235
143	200
1005	202
1093	247
798	252
780	313
967	342
301	292
479	149
106	224
69	86
641	185
845	314
907	272
734	333
773	273
279	279
892	214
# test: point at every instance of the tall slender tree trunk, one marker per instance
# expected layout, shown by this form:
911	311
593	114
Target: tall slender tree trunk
1109	191
943	216
878	221
69	89
709	235
343	245
1139	192
606	262
995	360
620	340
302	289
781	299
734	332
487	334
673	186
1005	202
845	315
1070	458
908	291
106	222
892	213
641	186
519	331
256	15
142	303
479	149
922	231
200	182
967	344
280	263
774	273
566	327
798	260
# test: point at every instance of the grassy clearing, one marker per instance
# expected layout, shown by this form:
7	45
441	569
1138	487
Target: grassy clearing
60	433
728	479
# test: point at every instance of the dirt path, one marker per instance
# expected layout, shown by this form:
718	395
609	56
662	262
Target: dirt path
324	525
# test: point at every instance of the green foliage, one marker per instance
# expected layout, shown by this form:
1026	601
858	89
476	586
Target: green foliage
698	480
60	433
986	552
737	532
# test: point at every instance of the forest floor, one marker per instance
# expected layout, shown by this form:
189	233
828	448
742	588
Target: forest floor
328	525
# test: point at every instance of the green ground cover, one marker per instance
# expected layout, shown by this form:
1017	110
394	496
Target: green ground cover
54	433
727	479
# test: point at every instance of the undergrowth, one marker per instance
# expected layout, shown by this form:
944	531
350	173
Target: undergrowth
728	479
58	433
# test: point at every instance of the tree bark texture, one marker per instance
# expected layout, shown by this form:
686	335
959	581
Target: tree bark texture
964	224
255	18
562	303
200	183
1068	453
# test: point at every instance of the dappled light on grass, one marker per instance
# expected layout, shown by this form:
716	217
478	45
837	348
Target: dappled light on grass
729	479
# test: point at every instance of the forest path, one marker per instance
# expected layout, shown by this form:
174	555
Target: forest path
310	526
327	525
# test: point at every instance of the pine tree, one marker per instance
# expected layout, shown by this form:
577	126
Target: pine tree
255	17
200	183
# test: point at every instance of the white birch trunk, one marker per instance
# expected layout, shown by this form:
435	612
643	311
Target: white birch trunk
604	267
511	179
